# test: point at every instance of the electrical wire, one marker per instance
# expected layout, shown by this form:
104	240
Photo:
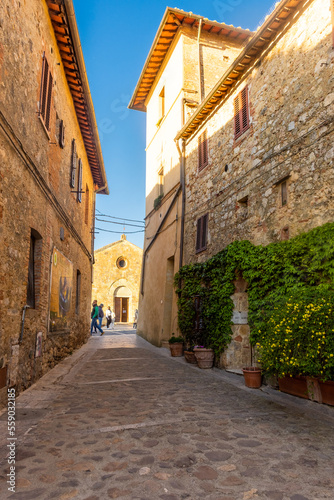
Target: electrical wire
120	223
119	218
119	232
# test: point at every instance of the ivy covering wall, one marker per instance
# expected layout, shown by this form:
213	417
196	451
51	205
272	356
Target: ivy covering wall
274	273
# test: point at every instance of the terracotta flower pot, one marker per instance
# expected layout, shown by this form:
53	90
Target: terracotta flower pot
327	392
190	357
176	349
253	377
297	386
204	357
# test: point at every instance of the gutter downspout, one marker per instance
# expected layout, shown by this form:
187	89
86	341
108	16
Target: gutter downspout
155	237
23	318
183	188
200	93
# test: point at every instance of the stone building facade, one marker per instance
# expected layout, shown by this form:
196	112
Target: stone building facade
117	278
184	68
258	148
51	169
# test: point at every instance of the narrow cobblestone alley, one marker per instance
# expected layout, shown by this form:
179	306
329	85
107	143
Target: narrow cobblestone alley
122	419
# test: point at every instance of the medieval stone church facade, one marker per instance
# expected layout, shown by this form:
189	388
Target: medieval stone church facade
117	278
239	143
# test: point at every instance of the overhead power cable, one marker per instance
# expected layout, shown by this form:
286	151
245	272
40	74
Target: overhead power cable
119	218
120	223
119	232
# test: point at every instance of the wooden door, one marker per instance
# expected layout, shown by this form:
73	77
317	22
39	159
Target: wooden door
125	304
118	308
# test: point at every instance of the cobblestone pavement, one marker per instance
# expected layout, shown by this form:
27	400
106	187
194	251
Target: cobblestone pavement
122	419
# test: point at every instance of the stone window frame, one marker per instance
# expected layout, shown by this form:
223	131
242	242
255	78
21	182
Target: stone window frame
34	269
119	260
283	191
243	206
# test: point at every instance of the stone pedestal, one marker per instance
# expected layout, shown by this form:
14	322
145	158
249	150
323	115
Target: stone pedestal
238	353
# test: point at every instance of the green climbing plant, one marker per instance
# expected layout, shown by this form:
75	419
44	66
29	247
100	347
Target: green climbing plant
273	273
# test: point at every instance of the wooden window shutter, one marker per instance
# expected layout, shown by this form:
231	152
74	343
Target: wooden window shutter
48	103
79	197
284	193
241	113
45	94
203	157
201	233
204	231
73	163
198	234
61	134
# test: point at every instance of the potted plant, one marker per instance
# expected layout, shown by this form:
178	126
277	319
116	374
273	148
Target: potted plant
204	356
252	376
190	355
298	344
176	346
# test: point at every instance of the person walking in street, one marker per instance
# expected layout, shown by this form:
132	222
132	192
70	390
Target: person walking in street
108	316
101	315
113	316
135	319
95	316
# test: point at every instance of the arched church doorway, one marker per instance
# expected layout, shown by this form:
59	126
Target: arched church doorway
122	304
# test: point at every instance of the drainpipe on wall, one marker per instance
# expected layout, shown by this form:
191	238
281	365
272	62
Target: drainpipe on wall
200	93
183	188
23	318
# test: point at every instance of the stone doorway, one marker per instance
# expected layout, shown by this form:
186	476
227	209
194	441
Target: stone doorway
121	309
122	297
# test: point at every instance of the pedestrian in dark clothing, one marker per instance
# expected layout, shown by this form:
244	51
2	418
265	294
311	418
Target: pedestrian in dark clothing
95	316
101	315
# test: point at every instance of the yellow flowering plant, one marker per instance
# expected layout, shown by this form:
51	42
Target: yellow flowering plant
298	338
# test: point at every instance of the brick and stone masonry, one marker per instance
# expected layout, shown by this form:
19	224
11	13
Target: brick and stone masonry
270	181
117	278
43	224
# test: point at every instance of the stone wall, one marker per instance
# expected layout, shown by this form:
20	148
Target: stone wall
290	139
291	94
110	277
35	194
179	76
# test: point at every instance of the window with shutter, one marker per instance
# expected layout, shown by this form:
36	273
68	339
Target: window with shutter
61	134
45	94
73	163
34	269
201	234
203	157
284	193
79	194
241	113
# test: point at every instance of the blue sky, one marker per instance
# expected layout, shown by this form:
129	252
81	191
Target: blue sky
116	38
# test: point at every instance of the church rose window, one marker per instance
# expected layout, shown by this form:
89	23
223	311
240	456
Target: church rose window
121	263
